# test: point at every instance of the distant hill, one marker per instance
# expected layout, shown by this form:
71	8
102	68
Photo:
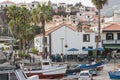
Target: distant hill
110	7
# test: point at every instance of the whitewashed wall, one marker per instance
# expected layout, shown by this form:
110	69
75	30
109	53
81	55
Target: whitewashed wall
72	38
7	4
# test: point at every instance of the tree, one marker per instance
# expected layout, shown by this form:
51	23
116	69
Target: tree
99	5
43	14
12	14
20	24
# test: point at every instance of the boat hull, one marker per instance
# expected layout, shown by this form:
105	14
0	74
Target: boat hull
51	73
113	76
49	76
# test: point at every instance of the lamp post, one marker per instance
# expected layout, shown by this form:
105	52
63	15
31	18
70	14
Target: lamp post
62	44
66	46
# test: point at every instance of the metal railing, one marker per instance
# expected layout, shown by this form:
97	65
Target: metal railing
111	41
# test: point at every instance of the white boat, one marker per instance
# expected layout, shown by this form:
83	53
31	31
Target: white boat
48	71
11	73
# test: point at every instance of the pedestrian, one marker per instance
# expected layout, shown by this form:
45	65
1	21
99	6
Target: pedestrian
14	59
108	57
30	59
33	59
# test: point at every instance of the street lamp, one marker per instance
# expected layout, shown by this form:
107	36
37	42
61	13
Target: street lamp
62	44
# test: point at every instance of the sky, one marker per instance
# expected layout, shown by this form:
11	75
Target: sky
84	2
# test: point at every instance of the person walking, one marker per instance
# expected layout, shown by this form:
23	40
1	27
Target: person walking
33	59
30	59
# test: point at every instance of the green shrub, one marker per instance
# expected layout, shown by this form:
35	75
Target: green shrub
23	55
35	51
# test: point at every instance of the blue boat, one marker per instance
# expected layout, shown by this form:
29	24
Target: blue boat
114	75
91	66
78	68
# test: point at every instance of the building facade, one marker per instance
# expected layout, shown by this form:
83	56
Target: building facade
62	35
111	36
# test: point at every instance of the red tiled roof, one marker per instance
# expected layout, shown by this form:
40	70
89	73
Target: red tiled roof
7	1
112	27
59	26
52	29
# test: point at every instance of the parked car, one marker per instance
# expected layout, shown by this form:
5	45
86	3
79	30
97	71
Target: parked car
85	75
93	72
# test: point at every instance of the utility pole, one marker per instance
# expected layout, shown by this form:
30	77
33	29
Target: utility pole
62	44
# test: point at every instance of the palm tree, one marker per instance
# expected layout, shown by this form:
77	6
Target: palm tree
44	14
12	13
99	5
20	23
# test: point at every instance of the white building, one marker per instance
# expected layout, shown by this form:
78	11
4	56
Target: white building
111	36
66	34
29	6
116	17
6	4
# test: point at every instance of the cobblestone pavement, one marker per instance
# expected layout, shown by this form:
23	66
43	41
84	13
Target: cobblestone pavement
103	75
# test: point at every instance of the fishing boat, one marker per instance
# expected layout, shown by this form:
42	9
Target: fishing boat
48	71
114	75
78	68
13	73
98	66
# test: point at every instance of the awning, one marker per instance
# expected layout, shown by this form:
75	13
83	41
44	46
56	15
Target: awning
73	49
90	49
112	46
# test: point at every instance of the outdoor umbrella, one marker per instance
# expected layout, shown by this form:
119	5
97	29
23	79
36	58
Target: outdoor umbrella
100	49
88	49
73	50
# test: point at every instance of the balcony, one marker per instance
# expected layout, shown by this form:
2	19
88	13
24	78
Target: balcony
111	41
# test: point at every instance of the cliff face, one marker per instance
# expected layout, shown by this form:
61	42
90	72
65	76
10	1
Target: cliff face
110	7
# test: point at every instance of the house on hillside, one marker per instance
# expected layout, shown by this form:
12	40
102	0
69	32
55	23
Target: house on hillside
65	36
5	4
111	36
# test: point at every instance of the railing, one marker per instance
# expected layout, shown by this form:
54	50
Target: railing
111	41
118	41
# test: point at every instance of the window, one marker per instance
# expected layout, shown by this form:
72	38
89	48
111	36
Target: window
90	47
32	5
109	36
118	36
46	50
83	47
4	76
46	40
86	37
1	6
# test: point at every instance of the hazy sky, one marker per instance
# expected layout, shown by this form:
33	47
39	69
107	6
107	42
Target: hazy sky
84	2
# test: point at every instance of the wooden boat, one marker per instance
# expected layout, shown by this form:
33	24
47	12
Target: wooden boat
78	68
48	71
114	75
98	66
